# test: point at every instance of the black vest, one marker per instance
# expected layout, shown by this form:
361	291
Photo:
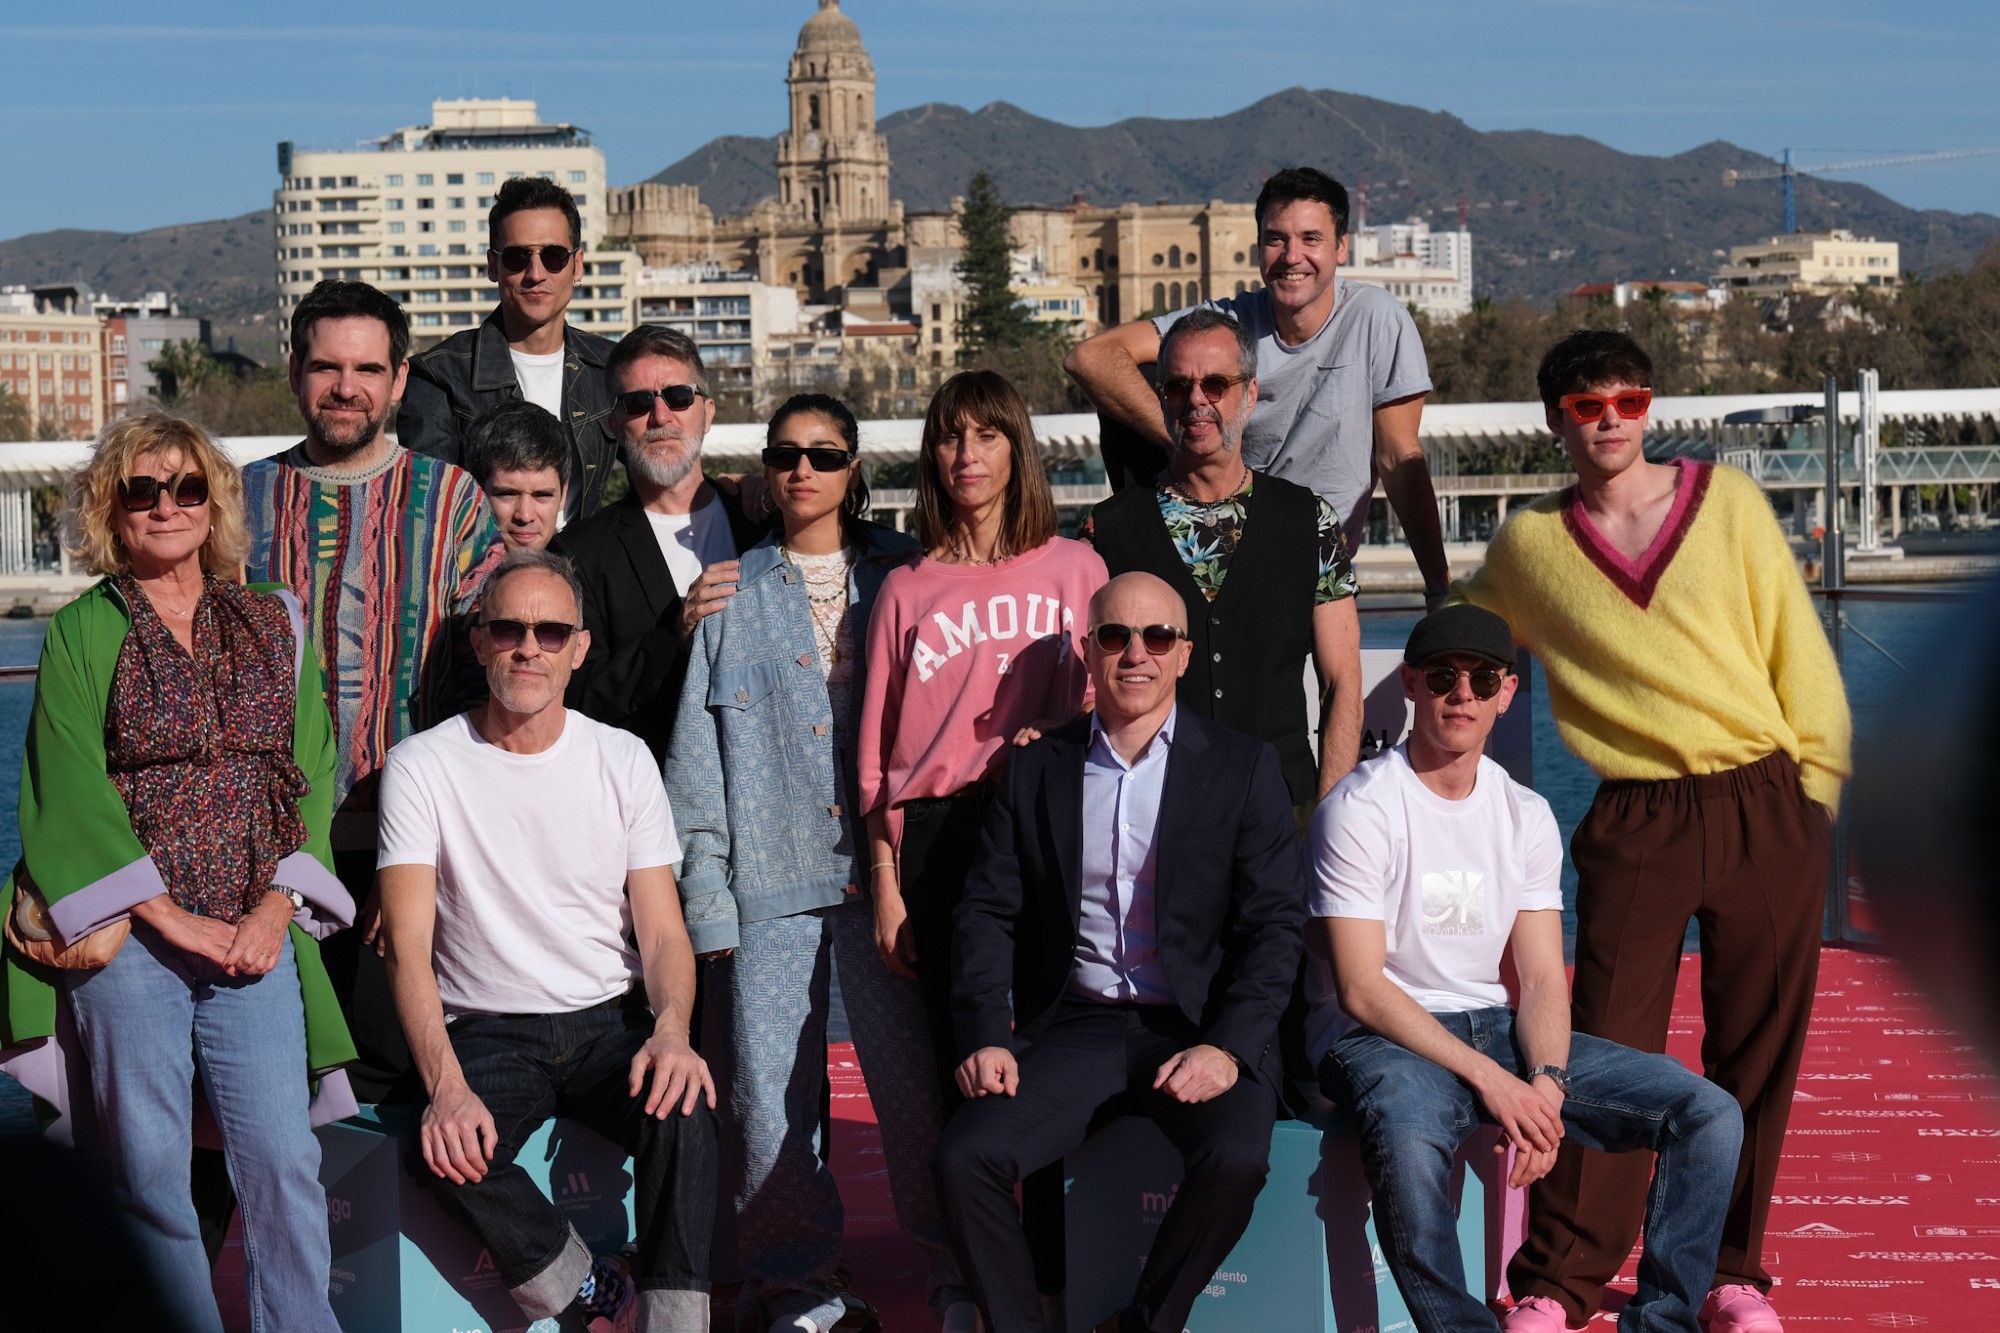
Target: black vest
1251	644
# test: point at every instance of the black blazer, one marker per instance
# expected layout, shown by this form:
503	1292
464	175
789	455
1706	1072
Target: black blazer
631	677
1230	899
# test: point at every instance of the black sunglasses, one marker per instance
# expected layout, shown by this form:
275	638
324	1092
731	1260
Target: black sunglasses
1213	387
189	490
1442	680
678	397
550	635
785	457
1159	640
514	258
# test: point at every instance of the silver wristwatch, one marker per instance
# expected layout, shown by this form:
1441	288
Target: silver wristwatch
1556	1072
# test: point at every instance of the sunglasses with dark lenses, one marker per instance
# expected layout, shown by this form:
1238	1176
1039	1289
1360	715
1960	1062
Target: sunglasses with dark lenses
1159	640
678	397
514	258
785	457
550	635
1584	408
1212	386
187	491
1442	680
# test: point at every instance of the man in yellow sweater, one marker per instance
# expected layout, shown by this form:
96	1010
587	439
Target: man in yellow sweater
1687	666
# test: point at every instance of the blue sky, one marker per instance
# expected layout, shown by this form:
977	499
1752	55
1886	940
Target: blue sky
128	115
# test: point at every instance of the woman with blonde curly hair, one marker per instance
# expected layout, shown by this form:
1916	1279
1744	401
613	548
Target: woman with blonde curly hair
176	786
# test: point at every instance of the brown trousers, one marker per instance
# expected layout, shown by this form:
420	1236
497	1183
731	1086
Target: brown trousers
1745	853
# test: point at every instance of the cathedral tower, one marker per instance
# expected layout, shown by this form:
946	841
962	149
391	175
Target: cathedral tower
832	165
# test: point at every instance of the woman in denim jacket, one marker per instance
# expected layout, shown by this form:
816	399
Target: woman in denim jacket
761	770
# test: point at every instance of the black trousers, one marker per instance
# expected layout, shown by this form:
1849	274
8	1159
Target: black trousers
383	1070
1086	1057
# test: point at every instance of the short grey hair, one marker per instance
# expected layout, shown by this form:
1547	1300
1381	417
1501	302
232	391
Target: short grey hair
1202	319
529	558
654	340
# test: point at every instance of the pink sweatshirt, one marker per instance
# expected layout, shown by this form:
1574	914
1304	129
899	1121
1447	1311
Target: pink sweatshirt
960	657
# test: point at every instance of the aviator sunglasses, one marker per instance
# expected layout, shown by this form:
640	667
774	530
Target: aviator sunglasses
1159	640
785	457
514	258
678	398
189	490
1584	408
1213	387
550	635
1442	680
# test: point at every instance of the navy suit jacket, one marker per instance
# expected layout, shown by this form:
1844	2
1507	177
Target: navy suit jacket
1230	894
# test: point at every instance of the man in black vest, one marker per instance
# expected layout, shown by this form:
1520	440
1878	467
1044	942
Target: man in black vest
1259	562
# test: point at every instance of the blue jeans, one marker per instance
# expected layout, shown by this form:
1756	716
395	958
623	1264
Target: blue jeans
147	1023
529	1067
788	1214
1412	1115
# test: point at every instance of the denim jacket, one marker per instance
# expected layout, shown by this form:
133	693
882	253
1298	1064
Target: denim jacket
751	768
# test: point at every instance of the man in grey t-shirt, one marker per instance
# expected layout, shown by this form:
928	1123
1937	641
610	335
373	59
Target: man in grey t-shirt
1340	371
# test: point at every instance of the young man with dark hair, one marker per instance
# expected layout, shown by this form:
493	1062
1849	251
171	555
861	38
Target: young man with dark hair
521	456
525	349
383	548
1429	863
1340	370
1688	668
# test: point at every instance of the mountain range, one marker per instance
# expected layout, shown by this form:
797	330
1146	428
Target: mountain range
1547	211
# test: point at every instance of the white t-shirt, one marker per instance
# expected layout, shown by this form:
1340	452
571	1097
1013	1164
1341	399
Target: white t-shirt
531	853
1444	877
540	375
692	542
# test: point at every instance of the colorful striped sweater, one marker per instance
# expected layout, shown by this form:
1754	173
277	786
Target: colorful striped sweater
382	561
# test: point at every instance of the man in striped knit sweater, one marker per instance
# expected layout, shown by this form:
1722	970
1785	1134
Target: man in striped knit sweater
382	547
1687	666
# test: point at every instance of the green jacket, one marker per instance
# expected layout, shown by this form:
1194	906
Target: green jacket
77	838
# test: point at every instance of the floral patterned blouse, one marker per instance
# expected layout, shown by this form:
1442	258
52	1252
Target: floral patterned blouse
200	746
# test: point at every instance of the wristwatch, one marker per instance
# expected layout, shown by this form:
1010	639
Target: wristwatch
1556	1072
299	899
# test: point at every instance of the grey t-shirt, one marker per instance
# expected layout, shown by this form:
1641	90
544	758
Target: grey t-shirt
1314	422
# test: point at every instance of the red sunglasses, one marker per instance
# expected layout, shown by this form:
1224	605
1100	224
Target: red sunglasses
1584	408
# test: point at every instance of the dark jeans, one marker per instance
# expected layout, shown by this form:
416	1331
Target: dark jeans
529	1067
1090	1055
1413	1116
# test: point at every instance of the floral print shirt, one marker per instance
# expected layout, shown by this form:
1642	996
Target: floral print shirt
1206	535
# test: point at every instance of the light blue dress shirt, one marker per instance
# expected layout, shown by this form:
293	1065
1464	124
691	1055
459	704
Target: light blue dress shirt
1117	938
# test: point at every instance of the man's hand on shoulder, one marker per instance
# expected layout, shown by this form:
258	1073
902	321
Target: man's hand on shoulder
1198	1074
988	1071
678	1076
458	1135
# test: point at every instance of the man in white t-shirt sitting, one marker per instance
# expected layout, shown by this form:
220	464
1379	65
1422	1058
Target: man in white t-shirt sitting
522	846
1429	863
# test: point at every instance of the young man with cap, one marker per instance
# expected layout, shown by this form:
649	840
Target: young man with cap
1687	666
1429	863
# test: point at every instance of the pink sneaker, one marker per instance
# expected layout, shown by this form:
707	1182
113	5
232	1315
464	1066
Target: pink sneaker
1536	1314
1738	1308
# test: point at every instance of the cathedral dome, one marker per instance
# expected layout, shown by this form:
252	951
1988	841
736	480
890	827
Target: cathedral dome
829	31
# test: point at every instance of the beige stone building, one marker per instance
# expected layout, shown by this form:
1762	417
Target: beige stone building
53	351
1821	262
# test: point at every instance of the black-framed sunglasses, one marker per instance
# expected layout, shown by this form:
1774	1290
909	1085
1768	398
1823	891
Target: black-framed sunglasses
514	258
188	490
678	398
1213	387
550	635
1159	640
785	457
1442	680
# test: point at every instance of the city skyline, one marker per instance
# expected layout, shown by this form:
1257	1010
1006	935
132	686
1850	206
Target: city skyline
156	123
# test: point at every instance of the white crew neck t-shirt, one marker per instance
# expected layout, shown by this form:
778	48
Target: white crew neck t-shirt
1445	878
531	853
540	375
691	542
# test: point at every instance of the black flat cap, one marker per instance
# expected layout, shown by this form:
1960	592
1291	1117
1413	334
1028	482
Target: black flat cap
1460	629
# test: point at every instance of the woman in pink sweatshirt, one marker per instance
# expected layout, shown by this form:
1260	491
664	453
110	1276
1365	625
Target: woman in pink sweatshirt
981	637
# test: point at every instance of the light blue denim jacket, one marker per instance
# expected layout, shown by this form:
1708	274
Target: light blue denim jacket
751	768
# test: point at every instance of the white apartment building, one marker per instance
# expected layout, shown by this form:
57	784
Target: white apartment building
1430	270
735	320
407	213
1811	261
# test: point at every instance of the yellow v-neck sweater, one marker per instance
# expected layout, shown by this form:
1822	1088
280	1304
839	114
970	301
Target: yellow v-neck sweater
1703	655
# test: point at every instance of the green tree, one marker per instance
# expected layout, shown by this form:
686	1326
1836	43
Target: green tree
16	421
182	369
992	315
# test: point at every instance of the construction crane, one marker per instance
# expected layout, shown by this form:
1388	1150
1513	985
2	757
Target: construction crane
1786	172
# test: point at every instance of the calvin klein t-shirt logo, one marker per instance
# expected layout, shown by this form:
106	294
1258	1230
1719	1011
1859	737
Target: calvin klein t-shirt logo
1454	902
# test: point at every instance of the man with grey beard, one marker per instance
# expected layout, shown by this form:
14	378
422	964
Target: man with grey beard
657	561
